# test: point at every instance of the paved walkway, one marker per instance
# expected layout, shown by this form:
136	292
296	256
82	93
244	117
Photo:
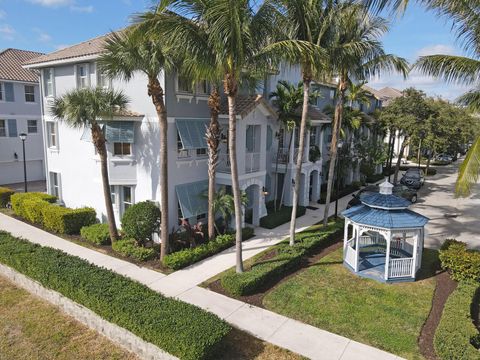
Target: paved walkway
287	333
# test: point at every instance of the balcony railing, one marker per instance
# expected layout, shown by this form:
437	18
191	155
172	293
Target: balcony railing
252	162
283	156
224	163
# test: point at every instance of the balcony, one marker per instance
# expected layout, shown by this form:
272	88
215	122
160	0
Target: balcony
252	163
283	156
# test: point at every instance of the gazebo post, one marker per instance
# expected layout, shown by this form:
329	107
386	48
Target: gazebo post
415	246
387	254
345	234
357	247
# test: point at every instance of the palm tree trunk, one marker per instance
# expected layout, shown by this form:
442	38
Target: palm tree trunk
99	140
275	188
213	141
155	90
390	151
399	159
428	163
307	79
337	123
230	86
286	168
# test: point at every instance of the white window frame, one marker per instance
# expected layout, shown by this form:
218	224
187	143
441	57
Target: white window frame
201	153
49	82
113	195
28	93
29	126
79	77
202	88
181	91
102	80
122	195
55	184
181	152
51	125
5	130
122	155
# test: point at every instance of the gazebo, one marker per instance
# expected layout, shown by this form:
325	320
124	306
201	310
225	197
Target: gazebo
383	239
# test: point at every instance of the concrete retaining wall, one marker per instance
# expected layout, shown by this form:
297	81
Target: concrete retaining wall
117	334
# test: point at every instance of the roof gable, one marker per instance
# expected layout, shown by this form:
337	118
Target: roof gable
11	61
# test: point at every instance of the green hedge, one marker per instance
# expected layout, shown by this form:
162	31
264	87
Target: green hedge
287	258
183	258
97	234
282	216
343	192
463	264
38	208
5	194
181	329
456	334
374	178
131	249
140	221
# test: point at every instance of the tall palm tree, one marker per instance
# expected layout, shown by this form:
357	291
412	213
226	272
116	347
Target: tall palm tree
357	94
136	50
356	53
83	109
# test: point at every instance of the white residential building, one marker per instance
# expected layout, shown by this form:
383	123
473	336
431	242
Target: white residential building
20	113
133	143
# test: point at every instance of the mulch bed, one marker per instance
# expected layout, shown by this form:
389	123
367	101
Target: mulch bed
257	298
444	287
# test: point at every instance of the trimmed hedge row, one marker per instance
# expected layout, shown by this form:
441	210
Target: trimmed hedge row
131	249
456	336
183	258
463	264
280	217
5	194
287	258
343	192
181	329
97	234
38	208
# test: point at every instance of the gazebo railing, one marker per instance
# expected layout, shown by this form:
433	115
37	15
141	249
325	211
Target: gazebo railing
400	267
367	240
350	253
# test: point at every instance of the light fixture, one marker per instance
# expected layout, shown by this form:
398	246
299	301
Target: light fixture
339	144
15	156
23	136
264	191
293	182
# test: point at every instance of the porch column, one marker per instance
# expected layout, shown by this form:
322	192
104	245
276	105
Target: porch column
415	254
345	235
357	247
387	254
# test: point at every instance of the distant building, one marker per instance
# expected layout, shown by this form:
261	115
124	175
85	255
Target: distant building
20	112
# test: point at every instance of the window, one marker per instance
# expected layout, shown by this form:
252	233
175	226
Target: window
120	148
3	128
113	195
29	93
9	93
181	152
201	217
2	97
127	197
48	82
12	128
102	80
202	87
313	136
32	126
184	85
55	184
253	138
52	134
202	152
82	76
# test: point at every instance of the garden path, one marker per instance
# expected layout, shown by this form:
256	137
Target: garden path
282	331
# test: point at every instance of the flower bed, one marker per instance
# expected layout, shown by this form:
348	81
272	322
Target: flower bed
181	329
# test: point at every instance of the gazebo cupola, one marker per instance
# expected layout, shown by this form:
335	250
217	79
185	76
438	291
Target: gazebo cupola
383	239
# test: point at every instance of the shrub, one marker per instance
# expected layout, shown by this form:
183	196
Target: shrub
181	329
67	221
18	199
456	333
140	221
348	189
130	248
374	178
462	263
32	210
247	233
280	217
97	234
5	194
286	259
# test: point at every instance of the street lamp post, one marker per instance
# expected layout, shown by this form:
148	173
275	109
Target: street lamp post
23	137
337	172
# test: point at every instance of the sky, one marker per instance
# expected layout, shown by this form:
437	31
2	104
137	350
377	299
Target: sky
49	25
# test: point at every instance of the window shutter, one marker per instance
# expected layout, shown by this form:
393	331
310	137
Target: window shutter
12	128
269	137
120	131
192	133
9	96
250	138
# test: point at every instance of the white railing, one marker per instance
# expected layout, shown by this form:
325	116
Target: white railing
400	267
252	162
367	240
304	158
350	253
284	156
224	163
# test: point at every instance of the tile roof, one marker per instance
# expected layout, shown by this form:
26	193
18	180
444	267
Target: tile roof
314	114
387	219
11	61
246	104
90	47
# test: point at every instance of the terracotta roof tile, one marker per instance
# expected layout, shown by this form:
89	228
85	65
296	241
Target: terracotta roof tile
246	104
11	61
314	114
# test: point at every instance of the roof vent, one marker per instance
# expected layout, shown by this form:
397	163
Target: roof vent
386	188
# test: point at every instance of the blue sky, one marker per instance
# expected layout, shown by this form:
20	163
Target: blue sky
47	25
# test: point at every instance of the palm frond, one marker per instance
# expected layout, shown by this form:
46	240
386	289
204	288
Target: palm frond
451	68
471	99
469	171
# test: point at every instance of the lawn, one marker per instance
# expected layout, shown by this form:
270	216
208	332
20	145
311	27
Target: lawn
31	328
387	316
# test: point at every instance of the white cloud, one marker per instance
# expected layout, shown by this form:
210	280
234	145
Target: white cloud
42	36
436	50
2	14
7	32
52	3
82	9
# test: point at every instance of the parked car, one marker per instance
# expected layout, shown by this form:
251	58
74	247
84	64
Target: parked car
444	158
413	178
398	190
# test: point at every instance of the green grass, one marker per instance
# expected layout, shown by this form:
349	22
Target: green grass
387	316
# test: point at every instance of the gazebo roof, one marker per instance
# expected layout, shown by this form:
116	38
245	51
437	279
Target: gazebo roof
385	201
388	219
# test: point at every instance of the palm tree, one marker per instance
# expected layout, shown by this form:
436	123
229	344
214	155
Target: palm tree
357	94
136	50
83	109
357	54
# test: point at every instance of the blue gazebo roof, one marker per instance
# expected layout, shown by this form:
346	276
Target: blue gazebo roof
389	219
385	201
